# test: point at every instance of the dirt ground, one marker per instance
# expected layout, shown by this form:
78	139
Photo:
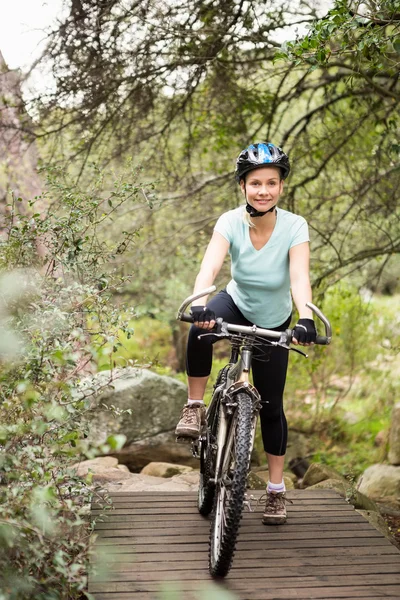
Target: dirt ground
394	525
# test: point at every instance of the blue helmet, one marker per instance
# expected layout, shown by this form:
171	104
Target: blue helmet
261	155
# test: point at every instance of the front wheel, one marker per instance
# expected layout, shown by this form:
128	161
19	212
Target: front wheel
231	489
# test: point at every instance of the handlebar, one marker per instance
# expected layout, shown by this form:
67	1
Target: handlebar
322	340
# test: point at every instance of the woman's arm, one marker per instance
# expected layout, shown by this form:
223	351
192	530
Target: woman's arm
299	257
211	264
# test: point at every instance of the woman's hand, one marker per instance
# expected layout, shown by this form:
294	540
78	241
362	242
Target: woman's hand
203	317
304	332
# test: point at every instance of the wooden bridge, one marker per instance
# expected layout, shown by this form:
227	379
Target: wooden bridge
154	546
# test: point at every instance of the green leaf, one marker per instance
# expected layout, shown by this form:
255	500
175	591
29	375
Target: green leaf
116	441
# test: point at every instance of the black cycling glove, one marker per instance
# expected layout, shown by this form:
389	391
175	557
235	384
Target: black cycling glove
201	314
305	332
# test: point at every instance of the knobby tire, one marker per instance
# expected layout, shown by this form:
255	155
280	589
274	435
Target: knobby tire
206	493
228	501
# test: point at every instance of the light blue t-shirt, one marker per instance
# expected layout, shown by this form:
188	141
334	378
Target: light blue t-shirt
260	284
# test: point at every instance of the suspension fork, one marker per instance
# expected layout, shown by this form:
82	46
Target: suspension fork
226	430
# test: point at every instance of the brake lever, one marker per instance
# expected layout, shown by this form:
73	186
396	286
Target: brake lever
284	345
218	335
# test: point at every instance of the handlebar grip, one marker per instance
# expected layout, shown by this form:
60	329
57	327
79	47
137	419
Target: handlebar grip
322	340
186	318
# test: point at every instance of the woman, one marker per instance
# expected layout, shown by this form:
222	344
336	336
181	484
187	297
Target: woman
269	250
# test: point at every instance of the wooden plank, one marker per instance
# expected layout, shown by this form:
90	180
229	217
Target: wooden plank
167	510
136	502
129	573
344	593
193	502
318	594
193	495
256	516
265	554
198	562
198	528
245	536
268	545
199	521
258	584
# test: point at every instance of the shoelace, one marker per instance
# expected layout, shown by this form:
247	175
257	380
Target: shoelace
276	497
189	414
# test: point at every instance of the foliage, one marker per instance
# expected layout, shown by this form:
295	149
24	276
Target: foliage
59	308
188	85
362	35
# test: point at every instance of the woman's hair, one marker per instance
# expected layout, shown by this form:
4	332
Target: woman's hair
247	219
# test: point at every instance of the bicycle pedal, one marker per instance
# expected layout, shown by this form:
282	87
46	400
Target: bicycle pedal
181	439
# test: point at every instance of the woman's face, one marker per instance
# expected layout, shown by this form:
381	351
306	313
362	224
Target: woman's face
263	187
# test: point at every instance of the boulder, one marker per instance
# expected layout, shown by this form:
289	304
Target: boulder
254	482
104	469
264	476
297	446
162	469
394	436
380	482
353	496
158	448
337	485
381	438
187	482
317	472
145	403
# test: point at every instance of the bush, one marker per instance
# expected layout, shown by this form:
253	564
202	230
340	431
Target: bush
56	290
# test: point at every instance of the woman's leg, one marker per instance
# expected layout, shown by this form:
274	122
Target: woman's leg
269	378
199	362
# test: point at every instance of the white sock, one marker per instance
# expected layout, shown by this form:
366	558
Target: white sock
190	401
277	488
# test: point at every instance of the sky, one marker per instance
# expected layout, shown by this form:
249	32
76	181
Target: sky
21	29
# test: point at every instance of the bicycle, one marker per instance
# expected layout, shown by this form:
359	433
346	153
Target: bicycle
225	445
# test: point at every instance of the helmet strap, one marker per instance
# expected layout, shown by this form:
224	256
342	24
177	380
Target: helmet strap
257	213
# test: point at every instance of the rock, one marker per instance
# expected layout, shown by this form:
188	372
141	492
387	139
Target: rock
100	461
353	496
381	438
297	446
255	482
155	403
158	448
264	475
317	472
394	436
123	468
162	469
380	482
377	521
157	485
299	466
104	469
330	484
191	478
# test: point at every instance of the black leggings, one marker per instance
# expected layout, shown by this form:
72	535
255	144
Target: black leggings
269	376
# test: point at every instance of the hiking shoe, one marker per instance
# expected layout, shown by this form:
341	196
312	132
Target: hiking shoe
192	419
275	509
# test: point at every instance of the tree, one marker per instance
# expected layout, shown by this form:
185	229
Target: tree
186	86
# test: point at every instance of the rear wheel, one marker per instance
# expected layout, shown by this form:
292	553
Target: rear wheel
205	499
206	493
231	489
